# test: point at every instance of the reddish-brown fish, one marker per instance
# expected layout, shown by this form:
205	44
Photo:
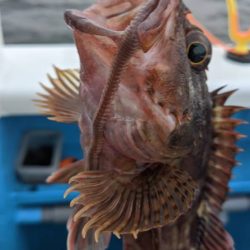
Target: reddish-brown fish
159	147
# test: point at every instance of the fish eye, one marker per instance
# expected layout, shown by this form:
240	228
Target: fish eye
197	53
199	50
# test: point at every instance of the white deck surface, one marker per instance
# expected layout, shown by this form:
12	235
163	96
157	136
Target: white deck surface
23	66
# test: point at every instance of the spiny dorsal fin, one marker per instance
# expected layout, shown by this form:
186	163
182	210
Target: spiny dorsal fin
129	203
62	101
211	234
224	149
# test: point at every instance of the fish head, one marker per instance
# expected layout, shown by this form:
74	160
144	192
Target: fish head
161	103
145	111
176	56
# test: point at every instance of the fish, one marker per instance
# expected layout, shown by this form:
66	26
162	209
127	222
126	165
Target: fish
159	148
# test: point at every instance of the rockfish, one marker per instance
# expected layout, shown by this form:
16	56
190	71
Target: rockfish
159	148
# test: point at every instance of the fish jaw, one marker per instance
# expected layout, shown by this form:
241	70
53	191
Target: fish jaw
150	90
157	91
153	97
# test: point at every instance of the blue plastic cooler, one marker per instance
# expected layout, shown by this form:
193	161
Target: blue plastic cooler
33	216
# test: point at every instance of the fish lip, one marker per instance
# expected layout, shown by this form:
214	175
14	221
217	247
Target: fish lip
161	21
172	22
163	9
70	17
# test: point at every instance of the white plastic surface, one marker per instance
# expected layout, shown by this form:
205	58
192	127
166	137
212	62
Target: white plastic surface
23	66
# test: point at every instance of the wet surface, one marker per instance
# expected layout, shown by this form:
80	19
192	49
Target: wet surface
41	21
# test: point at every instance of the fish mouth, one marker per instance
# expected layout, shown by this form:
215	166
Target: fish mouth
146	139
158	13
161	19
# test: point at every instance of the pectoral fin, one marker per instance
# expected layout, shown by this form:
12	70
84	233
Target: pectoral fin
62	102
129	203
75	240
63	175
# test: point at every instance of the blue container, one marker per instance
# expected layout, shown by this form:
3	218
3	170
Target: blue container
23	224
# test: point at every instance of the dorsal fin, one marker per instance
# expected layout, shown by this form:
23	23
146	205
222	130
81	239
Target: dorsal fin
224	150
129	203
211	234
62	101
